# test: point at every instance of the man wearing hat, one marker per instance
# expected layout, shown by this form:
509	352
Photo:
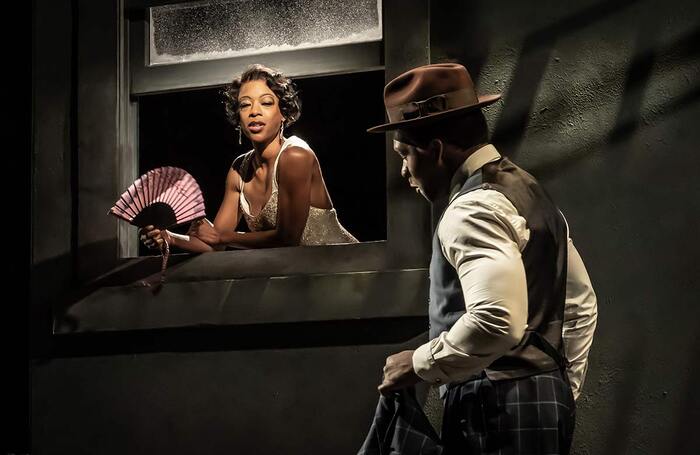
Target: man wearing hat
512	310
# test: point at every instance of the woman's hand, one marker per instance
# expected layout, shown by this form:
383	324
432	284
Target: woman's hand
154	238
205	231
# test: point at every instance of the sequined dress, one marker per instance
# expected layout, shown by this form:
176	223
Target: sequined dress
322	226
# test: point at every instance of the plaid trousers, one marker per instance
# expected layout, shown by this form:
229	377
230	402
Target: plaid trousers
400	427
530	415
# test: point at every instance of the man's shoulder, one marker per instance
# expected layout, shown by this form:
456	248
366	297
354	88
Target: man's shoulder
506	164
483	197
475	210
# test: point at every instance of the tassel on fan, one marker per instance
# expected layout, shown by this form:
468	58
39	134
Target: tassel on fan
163	197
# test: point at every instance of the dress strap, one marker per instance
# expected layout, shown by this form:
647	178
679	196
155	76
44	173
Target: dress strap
245	164
243	201
274	169
289	142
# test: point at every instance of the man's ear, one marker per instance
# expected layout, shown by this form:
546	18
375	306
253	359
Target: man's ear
436	150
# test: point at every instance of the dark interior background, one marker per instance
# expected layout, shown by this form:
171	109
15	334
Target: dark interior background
188	129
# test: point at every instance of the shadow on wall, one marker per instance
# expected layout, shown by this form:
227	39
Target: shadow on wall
532	63
630	116
536	54
473	47
600	104
55	288
279	336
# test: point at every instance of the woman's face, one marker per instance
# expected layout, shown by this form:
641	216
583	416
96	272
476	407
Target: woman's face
259	111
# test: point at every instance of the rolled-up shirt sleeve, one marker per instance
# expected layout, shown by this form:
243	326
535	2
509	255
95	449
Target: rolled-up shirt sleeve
481	235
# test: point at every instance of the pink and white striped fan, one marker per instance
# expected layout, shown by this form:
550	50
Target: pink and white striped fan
162	197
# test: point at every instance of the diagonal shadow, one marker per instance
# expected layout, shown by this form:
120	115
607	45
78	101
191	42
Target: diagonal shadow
638	74
628	123
59	297
474	44
210	338
532	63
550	169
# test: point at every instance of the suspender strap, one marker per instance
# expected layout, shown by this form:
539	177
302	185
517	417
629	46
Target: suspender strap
542	344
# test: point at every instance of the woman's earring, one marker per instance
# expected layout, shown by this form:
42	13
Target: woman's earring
282	133
239	134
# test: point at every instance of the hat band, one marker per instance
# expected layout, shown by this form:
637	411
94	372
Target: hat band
433	105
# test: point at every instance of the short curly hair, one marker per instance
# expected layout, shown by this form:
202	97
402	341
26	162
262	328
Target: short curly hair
281	86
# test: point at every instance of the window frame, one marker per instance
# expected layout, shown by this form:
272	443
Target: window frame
407	247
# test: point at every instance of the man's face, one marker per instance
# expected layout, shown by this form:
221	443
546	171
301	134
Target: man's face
418	166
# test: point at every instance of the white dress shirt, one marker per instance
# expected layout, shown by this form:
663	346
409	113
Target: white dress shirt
482	237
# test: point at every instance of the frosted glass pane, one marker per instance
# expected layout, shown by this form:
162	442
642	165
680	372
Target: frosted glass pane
222	29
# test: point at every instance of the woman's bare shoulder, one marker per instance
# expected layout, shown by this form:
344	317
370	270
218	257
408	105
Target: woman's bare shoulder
297	156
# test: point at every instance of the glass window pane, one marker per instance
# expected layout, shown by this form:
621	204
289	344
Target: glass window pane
222	29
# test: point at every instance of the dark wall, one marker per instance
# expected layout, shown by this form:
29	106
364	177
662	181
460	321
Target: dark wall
53	135
210	402
17	123
601	103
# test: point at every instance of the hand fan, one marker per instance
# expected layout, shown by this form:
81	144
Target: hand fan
163	197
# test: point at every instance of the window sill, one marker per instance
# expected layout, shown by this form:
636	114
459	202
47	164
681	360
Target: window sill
248	287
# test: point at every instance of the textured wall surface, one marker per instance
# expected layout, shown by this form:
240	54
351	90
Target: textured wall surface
601	103
270	401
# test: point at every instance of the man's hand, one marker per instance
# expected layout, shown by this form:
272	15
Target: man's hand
398	373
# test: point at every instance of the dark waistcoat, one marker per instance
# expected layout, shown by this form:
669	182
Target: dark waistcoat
544	258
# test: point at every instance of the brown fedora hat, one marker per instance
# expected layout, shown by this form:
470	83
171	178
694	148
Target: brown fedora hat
429	93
